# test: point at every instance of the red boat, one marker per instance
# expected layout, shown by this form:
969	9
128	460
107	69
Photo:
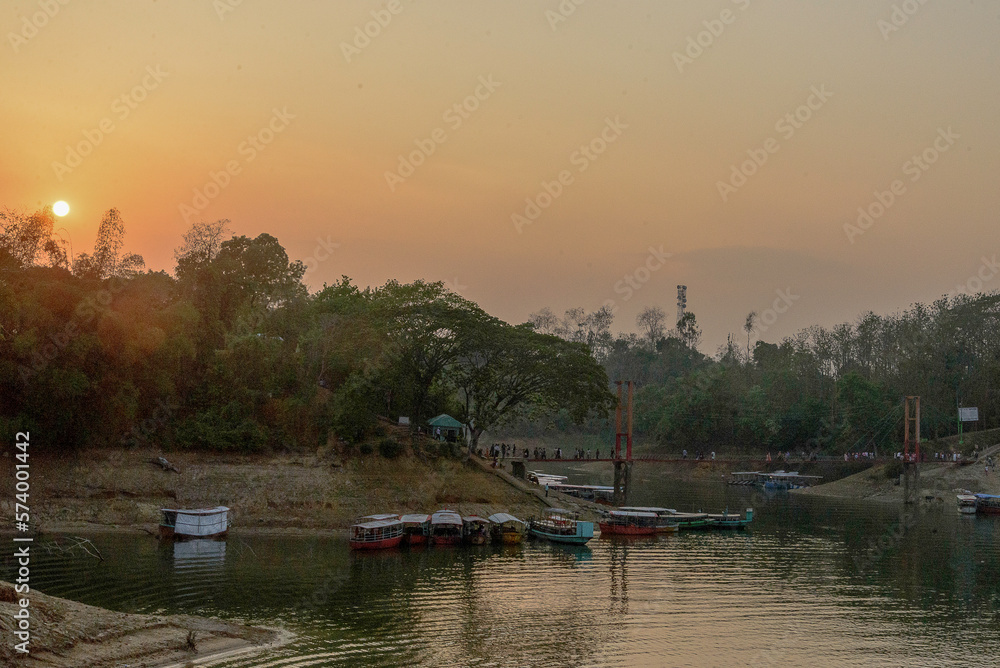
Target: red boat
629	523
416	529
446	528
377	532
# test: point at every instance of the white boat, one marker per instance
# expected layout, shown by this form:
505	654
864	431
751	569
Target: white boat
198	523
966	504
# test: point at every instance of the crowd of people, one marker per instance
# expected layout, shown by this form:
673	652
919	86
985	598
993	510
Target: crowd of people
498	451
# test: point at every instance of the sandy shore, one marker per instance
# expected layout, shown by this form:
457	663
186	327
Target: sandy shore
66	633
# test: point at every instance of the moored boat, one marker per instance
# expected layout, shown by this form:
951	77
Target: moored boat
728	520
199	523
692	520
416	528
507	529
665	522
446	528
561	526
475	530
988	504
966	503
629	523
376	532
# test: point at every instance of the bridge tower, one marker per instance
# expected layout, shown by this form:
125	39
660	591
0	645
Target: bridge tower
911	438
623	465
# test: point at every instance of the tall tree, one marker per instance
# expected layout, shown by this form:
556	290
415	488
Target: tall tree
650	322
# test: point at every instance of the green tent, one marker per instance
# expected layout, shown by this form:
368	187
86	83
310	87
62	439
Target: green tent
445	427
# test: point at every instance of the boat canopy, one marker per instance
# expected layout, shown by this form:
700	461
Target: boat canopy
502	518
377	524
987	496
446	517
197	511
381	516
475	519
418	518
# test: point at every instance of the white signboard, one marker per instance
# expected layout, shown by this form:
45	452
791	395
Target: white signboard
968	414
404	420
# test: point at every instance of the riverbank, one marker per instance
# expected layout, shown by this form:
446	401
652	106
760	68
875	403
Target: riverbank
109	490
937	482
66	633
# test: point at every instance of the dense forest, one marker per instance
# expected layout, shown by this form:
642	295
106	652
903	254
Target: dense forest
231	352
822	390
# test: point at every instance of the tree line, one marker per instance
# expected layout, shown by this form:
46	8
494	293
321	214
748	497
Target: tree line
232	352
826	390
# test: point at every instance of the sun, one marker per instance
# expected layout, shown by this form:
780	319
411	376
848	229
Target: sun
60	208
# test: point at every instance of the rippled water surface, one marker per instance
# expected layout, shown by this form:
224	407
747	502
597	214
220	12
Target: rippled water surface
814	582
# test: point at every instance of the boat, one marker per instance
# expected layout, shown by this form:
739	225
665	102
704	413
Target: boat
728	520
629	523
475	530
376	532
562	526
988	504
446	528
966	503
507	529
665	522
416	528
692	520
199	523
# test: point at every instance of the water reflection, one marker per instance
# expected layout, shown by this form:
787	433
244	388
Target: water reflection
789	591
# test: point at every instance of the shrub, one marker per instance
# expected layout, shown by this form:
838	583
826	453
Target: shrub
390	448
365	448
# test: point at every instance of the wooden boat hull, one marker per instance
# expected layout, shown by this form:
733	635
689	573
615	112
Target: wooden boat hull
479	539
384	544
512	538
446	540
619	530
415	539
667	528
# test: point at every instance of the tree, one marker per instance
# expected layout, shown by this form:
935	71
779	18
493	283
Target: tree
689	331
107	260
24	239
202	244
748	327
650	321
505	371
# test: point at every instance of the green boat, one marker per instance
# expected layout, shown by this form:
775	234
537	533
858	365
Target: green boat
693	520
561	526
728	520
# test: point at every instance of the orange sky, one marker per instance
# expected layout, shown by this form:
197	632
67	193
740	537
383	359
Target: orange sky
332	116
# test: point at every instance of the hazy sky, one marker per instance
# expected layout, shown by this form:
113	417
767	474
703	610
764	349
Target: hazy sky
642	109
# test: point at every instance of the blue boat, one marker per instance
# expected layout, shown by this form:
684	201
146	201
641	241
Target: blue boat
561	526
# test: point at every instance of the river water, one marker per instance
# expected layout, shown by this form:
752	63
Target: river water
813	582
